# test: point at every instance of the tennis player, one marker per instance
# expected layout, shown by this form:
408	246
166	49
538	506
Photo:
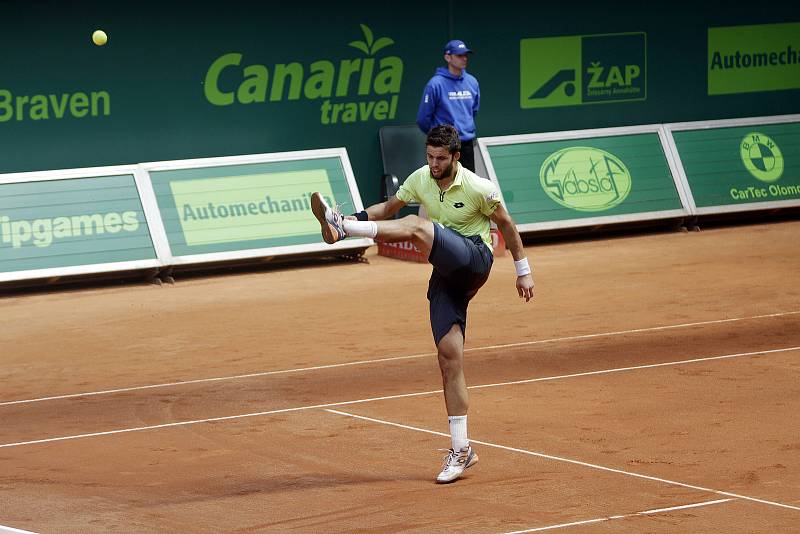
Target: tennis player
457	242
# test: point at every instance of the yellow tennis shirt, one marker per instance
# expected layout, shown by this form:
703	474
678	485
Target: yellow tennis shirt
464	207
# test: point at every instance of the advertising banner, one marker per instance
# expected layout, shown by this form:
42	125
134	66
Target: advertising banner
740	165
74	225
269	77
228	208
747	59
581	178
583	69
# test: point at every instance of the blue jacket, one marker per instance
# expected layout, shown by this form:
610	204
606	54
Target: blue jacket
449	99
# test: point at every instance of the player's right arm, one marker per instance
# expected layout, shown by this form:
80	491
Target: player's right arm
510	233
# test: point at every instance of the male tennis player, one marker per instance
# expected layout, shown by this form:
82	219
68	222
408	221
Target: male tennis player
457	243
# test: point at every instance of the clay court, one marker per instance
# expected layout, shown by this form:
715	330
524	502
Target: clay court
653	385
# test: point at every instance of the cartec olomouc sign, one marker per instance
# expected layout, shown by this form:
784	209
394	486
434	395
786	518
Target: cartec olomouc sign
746	59
761	156
741	167
583	69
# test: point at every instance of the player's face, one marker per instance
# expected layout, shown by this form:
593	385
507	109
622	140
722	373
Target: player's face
441	162
459	61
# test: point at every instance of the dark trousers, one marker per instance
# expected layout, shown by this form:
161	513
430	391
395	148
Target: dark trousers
468	154
461	266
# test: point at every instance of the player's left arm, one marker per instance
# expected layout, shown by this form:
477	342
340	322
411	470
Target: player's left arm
506	225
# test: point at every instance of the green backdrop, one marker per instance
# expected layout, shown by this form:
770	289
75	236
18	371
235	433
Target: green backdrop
322	74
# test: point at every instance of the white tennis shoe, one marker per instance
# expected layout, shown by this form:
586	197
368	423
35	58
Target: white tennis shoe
455	463
330	220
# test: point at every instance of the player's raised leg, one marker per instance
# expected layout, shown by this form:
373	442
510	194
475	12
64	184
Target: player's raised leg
336	227
409	228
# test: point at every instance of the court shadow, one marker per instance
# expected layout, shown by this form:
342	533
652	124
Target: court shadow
307	481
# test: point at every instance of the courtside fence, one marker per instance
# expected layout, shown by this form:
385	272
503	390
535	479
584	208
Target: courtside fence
159	215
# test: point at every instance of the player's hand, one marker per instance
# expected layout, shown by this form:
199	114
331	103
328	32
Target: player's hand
350	217
525	286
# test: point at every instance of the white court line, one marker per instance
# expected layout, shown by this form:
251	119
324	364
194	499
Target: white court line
395	358
570	461
612	517
387	397
10	530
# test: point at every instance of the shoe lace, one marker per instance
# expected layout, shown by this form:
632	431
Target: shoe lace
338	216
450	457
337	208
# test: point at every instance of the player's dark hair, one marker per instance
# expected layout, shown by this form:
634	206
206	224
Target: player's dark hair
446	136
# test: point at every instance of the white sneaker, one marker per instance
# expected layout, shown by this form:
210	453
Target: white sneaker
455	463
331	220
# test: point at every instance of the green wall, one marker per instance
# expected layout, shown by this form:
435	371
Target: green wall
144	96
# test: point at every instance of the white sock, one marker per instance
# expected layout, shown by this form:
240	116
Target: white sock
458	431
360	228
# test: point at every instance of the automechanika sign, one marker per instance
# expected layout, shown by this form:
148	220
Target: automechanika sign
746	59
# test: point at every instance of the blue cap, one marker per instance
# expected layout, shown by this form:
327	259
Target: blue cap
457	47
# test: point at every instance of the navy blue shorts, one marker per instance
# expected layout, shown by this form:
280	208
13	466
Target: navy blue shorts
461	266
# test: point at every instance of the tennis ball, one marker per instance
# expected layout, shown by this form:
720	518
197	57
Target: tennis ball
99	37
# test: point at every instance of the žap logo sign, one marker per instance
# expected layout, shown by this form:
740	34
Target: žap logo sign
585	179
582	69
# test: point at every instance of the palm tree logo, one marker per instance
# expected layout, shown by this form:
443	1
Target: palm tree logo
369	45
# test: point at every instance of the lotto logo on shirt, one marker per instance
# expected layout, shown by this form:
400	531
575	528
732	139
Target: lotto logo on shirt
582	69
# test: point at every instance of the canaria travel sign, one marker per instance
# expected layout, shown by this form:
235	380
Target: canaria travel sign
585	179
347	90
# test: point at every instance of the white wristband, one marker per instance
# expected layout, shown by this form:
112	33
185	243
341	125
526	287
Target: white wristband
522	267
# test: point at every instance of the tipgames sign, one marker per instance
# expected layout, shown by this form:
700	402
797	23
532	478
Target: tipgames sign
346	89
72	222
582	69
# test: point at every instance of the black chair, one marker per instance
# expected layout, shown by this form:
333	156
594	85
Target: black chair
402	152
